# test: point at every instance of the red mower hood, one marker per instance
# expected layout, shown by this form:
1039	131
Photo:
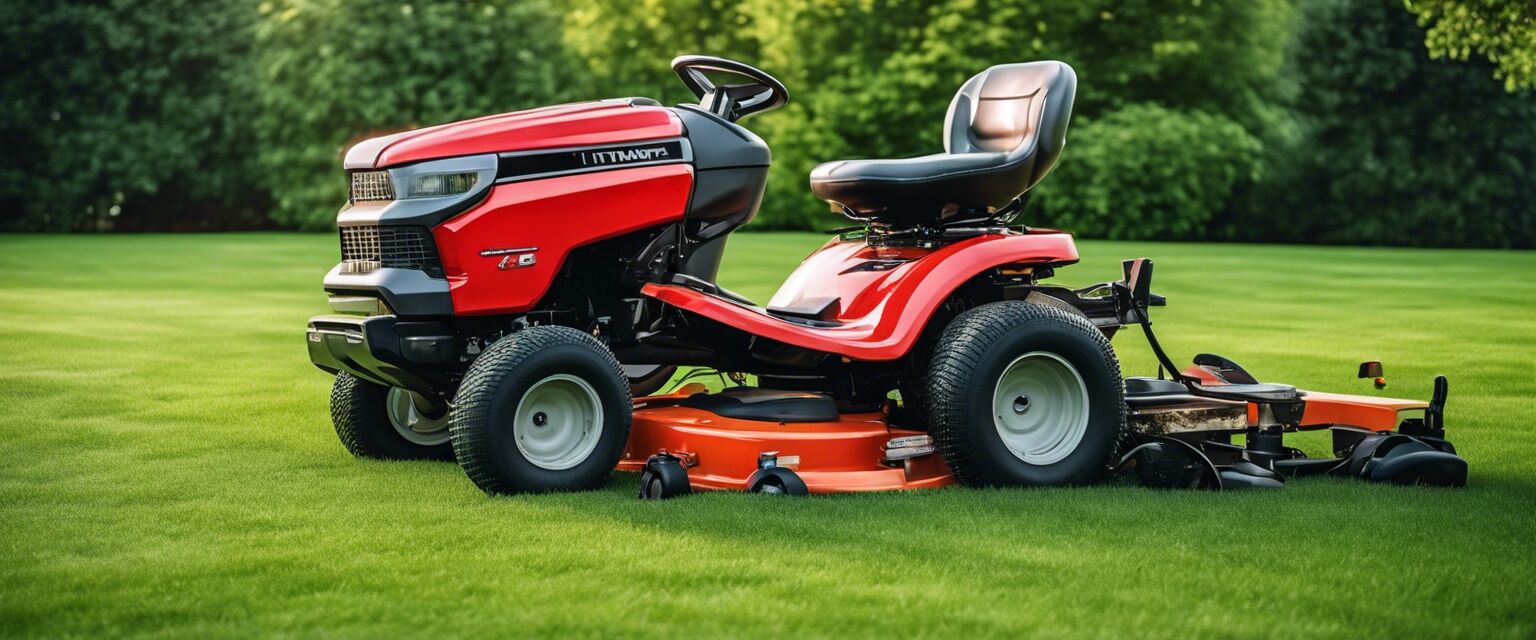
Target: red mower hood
566	125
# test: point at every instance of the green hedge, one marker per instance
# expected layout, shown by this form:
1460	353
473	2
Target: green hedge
1396	148
334	72
1268	120
1146	171
874	78
126	115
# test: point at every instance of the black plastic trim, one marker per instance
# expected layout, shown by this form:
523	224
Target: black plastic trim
408	292
765	405
384	350
719	144
546	163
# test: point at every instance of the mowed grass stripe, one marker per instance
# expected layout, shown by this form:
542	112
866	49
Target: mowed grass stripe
168	469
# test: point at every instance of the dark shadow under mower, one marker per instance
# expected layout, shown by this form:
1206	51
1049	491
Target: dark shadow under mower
1182	427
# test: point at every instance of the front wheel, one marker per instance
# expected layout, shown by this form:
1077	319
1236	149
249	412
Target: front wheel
544	409
1025	395
375	421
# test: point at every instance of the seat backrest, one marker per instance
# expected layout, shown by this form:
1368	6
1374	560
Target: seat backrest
1016	109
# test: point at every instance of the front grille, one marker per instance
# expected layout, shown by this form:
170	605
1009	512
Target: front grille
371	185
364	249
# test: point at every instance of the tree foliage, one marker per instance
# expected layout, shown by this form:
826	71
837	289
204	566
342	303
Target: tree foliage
1146	171
1273	120
126	115
874	78
333	73
1503	31
1397	148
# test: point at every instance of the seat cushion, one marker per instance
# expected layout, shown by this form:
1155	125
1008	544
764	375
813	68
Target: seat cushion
1004	130
919	190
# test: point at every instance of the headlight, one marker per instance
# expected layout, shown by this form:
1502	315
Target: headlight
434	185
449	178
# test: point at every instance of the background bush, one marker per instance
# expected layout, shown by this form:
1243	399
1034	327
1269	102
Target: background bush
1267	120
334	72
1396	148
126	115
1147	171
874	78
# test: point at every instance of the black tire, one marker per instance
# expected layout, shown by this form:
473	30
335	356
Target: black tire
974	352
663	478
649	382
777	481
360	411
483	411
912	384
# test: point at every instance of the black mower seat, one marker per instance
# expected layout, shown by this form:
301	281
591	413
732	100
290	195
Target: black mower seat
765	405
1004	131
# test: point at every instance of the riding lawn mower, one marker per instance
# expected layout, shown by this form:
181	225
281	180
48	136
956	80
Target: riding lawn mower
516	292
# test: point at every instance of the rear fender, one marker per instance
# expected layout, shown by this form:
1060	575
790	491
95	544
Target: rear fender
870	303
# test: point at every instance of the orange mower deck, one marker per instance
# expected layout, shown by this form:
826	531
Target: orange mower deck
848	455
831	457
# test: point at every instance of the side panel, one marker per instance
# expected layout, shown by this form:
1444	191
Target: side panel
882	298
547	219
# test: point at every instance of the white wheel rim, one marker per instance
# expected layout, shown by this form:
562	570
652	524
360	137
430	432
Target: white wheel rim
1040	408
411	423
558	422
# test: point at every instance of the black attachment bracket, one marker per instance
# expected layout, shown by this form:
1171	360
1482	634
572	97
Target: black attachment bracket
1134	297
1433	423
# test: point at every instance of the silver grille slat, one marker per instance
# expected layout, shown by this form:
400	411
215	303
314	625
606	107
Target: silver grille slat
371	186
365	248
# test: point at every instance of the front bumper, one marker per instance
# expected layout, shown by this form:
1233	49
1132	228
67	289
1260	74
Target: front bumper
408	292
416	355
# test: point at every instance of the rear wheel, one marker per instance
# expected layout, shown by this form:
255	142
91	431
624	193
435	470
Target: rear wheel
544	409
375	421
1025	395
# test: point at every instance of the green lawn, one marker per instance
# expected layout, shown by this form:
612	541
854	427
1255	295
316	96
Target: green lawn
168	469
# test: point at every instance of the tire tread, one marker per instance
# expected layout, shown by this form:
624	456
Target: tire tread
471	420
361	418
962	347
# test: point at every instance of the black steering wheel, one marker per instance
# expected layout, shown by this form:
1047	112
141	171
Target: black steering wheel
730	101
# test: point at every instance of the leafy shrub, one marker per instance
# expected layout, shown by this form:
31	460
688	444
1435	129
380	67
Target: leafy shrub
333	73
1147	172
1271	120
1503	31
125	115
874	78
1396	148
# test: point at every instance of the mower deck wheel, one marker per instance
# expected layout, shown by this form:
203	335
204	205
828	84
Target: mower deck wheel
664	477
777	481
543	409
375	421
1026	395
